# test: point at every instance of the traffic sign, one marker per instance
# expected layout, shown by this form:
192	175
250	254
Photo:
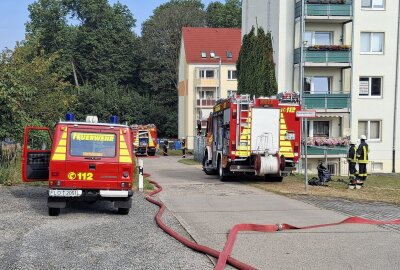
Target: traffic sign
306	114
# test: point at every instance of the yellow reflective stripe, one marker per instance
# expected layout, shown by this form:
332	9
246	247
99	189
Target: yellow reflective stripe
286	143
287	154
123	152
58	157
61	149
124	155
286	149
125	159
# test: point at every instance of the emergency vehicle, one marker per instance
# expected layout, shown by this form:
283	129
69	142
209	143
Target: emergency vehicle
259	136
87	161
145	139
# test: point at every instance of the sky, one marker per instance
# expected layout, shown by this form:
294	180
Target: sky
14	14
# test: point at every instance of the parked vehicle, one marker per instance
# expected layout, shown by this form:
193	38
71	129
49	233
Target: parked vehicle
258	136
145	139
87	161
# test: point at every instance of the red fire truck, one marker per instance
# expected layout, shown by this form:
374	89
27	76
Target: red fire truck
258	136
145	139
87	161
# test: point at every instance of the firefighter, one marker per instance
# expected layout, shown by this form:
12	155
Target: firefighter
165	148
352	159
183	147
362	158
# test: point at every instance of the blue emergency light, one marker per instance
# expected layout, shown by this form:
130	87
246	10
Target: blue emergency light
69	117
113	119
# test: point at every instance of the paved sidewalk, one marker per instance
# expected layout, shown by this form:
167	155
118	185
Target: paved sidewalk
208	208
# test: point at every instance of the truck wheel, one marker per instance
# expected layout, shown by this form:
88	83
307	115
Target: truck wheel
123	211
54	211
205	169
223	176
152	154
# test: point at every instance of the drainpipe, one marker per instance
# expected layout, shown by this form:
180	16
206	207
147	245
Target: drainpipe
301	81
395	93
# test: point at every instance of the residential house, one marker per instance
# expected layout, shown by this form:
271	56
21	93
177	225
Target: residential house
342	57
207	72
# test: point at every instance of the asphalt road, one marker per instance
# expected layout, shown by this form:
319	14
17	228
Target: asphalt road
87	236
208	208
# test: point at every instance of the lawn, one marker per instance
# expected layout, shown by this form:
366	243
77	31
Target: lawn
377	187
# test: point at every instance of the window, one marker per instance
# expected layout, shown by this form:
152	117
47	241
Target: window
317	85
203	54
206	73
372	42
370	128
317	38
232	93
212	54
320	129
206	94
232	75
229	54
86	144
373	4
370	86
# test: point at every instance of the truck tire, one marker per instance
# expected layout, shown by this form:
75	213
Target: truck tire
123	211
205	169
151	154
54	211
222	174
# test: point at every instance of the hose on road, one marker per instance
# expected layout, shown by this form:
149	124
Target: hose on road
224	257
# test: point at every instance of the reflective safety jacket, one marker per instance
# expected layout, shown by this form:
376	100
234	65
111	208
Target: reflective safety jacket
351	155
362	152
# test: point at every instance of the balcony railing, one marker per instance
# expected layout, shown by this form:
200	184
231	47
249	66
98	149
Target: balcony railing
326	101
323	56
205	102
213	82
325	8
330	151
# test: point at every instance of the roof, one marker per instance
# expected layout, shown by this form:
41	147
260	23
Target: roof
221	41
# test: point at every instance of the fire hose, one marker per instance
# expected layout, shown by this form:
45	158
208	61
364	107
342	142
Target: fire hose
224	257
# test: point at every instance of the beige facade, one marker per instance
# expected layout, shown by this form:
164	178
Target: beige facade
353	91
198	90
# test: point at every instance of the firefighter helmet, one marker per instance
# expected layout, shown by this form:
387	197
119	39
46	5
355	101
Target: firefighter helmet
363	137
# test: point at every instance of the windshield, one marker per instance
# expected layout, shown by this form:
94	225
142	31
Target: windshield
85	144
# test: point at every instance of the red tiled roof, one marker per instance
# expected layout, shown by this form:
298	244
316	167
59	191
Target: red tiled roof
219	40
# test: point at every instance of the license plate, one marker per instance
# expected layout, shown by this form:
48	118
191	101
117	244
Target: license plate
65	193
290	136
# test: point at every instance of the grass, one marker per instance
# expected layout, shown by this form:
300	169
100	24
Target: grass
146	182
10	174
189	161
377	187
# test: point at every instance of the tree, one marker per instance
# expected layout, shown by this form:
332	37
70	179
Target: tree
255	65
30	92
100	47
161	40
228	15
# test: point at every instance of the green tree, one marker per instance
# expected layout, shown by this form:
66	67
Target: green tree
100	47
161	40
30	92
228	15
255	65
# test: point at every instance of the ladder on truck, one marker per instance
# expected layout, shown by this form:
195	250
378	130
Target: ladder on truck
243	126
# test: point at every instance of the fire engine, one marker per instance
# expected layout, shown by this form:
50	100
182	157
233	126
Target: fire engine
259	136
145	139
87	161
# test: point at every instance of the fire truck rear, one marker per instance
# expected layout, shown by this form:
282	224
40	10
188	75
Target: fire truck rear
258	136
88	161
145	139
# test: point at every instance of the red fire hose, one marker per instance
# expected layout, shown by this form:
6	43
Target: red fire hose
224	257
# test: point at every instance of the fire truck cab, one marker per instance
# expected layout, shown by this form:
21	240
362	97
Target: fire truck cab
145	139
259	136
86	161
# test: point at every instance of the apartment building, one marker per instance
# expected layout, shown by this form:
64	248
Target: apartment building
207	72
342	57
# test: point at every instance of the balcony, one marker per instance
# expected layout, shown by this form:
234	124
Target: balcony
205	102
317	146
324	57
330	151
326	101
214	82
340	10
